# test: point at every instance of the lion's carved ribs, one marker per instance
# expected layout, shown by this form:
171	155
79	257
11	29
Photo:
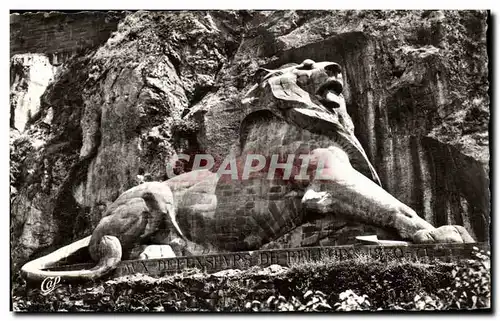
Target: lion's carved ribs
294	114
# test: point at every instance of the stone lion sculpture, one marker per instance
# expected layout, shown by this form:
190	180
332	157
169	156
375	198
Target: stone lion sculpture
291	115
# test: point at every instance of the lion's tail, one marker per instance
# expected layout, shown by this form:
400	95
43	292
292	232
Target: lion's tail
110	253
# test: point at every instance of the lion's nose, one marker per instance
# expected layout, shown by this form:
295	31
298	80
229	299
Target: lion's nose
333	69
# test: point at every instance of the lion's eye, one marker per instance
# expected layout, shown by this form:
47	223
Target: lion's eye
333	69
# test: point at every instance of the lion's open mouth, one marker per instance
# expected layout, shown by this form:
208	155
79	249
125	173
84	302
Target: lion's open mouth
330	92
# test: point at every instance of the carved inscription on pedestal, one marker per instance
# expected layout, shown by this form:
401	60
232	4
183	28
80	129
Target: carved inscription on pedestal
289	257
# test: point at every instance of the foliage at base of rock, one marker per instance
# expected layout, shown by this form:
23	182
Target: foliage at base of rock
312	287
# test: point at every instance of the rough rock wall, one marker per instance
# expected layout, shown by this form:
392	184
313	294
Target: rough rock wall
164	83
58	35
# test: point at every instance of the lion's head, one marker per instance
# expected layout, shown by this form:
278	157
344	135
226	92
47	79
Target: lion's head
314	85
309	96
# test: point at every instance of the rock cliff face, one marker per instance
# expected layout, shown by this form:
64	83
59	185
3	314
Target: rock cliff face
59	35
169	82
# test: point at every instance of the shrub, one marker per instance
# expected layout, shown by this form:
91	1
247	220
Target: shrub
471	286
319	286
350	301
313	301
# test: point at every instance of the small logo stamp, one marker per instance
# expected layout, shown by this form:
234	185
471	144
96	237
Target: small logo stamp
49	284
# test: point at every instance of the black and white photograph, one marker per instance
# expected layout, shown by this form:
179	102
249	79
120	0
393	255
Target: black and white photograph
247	160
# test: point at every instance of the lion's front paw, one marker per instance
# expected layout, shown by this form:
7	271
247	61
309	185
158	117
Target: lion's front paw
443	234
